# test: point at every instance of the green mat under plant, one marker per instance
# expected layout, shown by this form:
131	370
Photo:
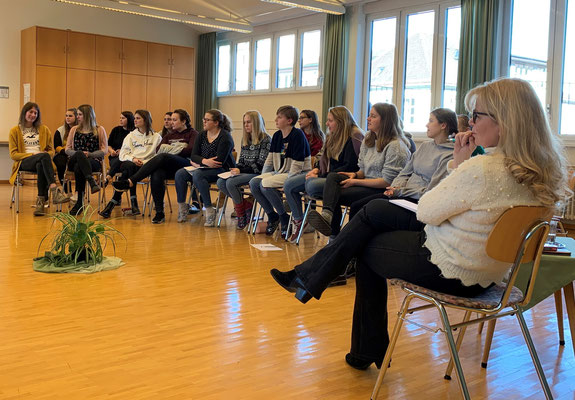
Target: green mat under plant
44	264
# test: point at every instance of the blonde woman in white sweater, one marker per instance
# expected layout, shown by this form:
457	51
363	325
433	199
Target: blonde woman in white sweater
137	148
443	246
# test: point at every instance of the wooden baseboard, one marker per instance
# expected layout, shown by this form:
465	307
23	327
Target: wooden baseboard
4	182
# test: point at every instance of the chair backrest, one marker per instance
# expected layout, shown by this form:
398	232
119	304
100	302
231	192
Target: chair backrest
518	237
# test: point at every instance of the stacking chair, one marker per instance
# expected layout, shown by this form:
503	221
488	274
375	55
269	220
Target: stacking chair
518	238
98	176
21	178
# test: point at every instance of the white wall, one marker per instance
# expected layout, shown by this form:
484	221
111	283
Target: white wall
22	14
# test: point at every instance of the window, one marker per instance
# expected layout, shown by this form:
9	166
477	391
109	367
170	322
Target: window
224	65
451	56
381	75
285	57
262	64
568	88
311	50
242	62
269	63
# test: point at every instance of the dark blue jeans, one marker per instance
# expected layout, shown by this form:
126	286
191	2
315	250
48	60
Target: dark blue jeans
201	178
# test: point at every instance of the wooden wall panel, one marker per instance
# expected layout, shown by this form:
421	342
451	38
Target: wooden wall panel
80	87
135	57
51	95
184	63
158	100
182	95
51	47
108	99
81	50
159	57
133	92
108	54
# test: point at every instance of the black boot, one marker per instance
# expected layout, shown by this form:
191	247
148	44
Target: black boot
107	211
135	208
94	187
77	209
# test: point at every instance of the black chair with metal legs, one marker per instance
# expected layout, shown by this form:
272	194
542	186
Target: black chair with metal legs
518	237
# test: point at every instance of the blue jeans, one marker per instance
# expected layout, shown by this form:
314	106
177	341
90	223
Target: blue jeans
231	186
295	185
269	198
201	178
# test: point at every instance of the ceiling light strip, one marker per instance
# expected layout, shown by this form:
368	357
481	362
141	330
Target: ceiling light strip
316	6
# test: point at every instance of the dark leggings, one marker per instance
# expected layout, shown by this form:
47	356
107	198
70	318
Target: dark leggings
356	206
41	165
83	168
389	243
61	160
127	168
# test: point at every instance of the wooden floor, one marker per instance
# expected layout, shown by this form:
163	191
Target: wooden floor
194	314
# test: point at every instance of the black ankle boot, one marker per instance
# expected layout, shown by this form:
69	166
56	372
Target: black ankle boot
135	208
94	187
360	363
107	211
77	209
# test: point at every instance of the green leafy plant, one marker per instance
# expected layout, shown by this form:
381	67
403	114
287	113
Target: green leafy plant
79	239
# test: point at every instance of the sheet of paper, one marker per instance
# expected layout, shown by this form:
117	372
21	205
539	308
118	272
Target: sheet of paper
225	175
266	247
408	205
190	169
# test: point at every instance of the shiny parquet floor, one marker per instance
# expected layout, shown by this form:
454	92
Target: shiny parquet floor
194	314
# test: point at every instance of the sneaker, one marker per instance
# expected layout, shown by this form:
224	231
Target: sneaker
284	224
39	211
121	186
272	227
74	197
308	228
159	218
296	228
321	222
194	208
58	196
182	212
210	216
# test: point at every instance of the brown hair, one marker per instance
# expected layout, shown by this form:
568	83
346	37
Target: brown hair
390	127
221	118
27	107
290	112
147	117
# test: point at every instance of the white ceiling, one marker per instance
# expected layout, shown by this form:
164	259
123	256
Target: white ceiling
254	12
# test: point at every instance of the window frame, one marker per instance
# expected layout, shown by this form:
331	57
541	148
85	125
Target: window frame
254	40
230	75
234	70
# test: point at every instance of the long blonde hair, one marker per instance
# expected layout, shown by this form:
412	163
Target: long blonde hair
533	154
389	129
346	127
258	129
89	119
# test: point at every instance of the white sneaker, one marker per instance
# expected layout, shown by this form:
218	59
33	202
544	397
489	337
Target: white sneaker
210	216
182	212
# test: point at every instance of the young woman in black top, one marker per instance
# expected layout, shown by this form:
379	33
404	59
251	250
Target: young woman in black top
115	141
60	137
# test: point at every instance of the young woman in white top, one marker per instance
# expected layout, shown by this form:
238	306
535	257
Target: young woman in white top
137	149
442	247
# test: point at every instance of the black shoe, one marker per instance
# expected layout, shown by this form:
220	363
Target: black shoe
284	224
272	227
319	223
77	209
350	269
135	208
107	211
338	281
194	208
121	186
290	282
159	218
360	363
94	187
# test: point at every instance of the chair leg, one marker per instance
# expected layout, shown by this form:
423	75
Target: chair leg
254	214
169	200
223	210
258	216
343	214
559	311
307	208
570	305
488	341
480	325
392	340
534	356
460	335
453	351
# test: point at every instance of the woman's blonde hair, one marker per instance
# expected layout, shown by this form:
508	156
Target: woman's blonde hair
258	129
389	129
533	154
89	119
346	127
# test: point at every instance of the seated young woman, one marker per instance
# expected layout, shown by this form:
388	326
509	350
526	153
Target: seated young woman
115	141
255	148
30	146
289	156
309	124
340	154
442	247
211	155
60	137
138	148
86	146
167	127
173	153
426	167
383	154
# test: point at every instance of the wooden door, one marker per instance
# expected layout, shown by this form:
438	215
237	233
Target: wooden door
135	57
51	47
133	92
159	57
183	63
108	54
108	99
158	99
79	87
81	50
51	95
182	95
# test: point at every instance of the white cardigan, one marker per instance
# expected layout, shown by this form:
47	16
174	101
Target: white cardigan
460	213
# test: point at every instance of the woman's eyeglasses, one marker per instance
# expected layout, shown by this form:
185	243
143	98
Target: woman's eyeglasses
474	114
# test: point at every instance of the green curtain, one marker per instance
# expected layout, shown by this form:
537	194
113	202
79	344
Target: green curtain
477	46
335	62
206	98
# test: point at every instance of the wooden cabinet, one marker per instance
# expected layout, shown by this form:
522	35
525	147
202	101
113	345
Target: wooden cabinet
51	47
183	63
108	99
81	50
108	54
158	99
79	87
51	95
133	92
159	60
182	95
135	57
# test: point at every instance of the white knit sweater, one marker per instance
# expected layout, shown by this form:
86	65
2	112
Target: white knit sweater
460	213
